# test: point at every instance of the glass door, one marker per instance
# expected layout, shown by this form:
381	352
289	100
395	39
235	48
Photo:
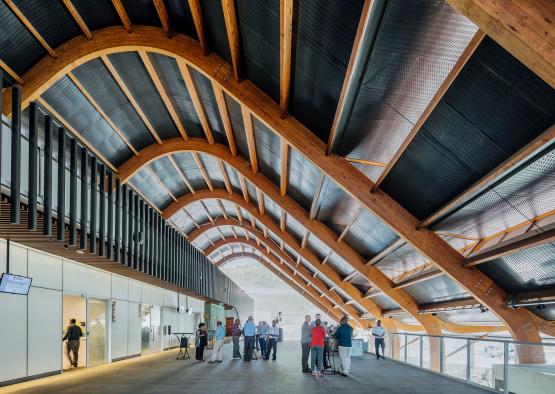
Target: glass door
146	329
97	349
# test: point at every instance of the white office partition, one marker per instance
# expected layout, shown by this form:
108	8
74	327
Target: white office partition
13	336
44	330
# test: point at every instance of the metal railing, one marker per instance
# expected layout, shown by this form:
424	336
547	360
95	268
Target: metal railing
497	364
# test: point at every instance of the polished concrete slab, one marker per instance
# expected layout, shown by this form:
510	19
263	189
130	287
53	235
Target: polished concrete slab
162	373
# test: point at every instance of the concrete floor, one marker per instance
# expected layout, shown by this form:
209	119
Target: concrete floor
161	373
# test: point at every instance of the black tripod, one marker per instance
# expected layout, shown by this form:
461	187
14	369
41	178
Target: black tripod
330	347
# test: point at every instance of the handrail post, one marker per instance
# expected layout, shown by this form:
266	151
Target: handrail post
441	349
468	360
421	351
506	367
406	342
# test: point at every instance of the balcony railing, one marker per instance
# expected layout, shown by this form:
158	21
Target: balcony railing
497	364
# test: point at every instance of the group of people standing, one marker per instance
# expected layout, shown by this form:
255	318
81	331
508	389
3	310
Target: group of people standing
314	335
267	339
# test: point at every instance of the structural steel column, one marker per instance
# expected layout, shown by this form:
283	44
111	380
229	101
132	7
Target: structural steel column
47	201
135	236
118	217
84	199
73	192
33	178
92	239
124	224
102	212
15	180
130	229
109	247
141	235
61	184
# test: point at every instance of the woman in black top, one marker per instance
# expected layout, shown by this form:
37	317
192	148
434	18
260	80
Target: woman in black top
201	342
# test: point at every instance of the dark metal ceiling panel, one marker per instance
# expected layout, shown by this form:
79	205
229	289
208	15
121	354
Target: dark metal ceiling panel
369	236
441	288
233	178
167	173
18	48
206	96
268	151
213	170
372	172
183	221
67	100
135	76
51	19
302	180
335	207
401	260
215	28
495	107
97	81
97	14
236	118
273	210
258	22
527	270
295	228
325	36
174	85
417	45
385	302
528	193
142	12
180	17
189	168
142	181
197	212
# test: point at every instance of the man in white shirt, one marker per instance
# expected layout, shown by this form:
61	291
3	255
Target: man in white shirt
273	335
379	333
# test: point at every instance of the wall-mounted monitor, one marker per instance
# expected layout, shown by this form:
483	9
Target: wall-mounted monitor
15	284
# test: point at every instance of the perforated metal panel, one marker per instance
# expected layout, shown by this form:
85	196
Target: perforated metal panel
188	167
417	45
303	179
268	151
335	207
206	96
180	17
98	82
168	175
527	270
385	302
18	48
174	85
215	28
526	194
97	14
135	76
142	12
233	178
441	288
236	118
42	16
258	22
368	236
325	35
213	170
142	181
67	100
494	107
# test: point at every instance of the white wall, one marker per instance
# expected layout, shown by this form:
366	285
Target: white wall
31	326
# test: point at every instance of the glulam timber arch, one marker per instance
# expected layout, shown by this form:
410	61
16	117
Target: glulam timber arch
324	305
292	271
151	39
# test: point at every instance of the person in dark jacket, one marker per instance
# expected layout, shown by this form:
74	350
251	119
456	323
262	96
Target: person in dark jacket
73	336
201	342
344	335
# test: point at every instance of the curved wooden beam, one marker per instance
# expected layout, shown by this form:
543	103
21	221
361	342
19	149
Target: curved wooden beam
326	307
289	269
113	39
324	269
379	279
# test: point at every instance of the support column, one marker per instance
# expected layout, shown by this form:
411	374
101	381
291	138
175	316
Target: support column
130	228
15	180
47	201
73	192
124	224
92	239
109	246
102	212
118	217
61	184
135	235
33	168
84	199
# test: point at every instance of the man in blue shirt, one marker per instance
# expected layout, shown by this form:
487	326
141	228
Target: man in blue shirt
344	335
249	330
219	336
273	335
